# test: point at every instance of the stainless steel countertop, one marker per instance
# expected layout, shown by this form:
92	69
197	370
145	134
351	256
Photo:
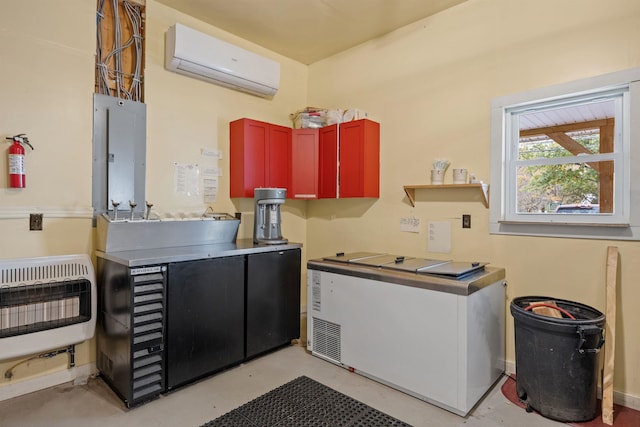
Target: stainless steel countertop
463	286
141	257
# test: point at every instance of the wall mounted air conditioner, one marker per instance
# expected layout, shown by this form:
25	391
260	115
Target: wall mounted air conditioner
199	55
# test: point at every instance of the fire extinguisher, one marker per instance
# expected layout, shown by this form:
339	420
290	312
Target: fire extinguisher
16	160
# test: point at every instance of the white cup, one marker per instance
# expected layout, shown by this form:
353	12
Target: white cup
460	176
437	176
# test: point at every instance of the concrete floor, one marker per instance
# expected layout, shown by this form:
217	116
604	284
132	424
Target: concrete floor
95	405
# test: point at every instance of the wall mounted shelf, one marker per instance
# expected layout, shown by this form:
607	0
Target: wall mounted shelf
483	189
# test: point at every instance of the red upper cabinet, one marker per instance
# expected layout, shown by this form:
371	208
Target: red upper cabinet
359	172
260	156
330	162
304	164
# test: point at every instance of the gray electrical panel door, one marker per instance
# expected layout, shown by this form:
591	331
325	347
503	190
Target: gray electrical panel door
119	153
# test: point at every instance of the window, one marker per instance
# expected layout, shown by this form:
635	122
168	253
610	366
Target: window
567	151
561	160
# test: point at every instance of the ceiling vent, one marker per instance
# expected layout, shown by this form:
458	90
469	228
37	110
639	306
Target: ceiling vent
199	55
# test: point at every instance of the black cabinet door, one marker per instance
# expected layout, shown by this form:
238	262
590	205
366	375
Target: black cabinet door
273	300
205	317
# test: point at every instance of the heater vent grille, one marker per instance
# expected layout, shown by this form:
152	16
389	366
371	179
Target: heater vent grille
33	308
24	274
327	339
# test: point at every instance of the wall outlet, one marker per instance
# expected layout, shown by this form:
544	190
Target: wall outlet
35	222
466	221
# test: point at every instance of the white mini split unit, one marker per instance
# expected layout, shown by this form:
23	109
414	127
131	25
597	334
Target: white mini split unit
202	56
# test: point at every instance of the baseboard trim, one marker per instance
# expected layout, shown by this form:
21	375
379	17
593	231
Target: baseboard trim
620	398
77	375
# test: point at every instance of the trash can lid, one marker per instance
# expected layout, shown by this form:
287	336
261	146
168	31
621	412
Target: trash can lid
582	314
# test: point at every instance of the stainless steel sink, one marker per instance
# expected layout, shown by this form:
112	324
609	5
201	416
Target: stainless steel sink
123	235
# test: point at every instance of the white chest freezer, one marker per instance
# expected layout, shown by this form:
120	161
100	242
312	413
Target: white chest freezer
438	337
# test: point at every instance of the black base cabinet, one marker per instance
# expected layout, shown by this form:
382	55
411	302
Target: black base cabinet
205	319
130	330
163	326
273	300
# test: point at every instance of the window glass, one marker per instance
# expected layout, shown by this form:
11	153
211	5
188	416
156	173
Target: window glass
560	156
574	133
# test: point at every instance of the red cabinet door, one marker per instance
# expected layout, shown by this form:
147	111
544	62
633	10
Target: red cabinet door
247	150
260	156
359	170
278	157
328	162
304	164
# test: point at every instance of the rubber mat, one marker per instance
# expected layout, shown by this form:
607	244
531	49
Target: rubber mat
304	402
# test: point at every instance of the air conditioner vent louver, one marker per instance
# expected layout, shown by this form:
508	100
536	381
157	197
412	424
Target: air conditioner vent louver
327	339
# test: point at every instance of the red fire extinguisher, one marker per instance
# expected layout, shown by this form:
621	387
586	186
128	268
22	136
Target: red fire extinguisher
16	160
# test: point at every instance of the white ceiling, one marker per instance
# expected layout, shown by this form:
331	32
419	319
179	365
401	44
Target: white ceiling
585	112
309	30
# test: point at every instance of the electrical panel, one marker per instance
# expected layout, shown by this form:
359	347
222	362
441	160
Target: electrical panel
119	153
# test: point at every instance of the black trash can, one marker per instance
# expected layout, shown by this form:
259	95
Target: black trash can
557	359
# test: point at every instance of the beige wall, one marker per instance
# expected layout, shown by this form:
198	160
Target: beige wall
46	81
185	115
430	85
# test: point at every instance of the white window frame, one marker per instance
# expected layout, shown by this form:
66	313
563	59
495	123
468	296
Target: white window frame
624	223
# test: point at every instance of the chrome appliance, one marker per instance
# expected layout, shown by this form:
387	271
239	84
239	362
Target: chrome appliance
266	225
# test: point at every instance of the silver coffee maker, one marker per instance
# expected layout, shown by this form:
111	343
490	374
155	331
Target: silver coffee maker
266	224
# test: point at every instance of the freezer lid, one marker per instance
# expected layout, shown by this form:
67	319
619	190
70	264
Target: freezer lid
381	260
455	269
446	268
413	264
342	257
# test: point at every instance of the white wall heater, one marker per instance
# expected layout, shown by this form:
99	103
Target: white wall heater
45	303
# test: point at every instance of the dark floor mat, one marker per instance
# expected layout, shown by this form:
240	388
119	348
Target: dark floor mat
304	402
